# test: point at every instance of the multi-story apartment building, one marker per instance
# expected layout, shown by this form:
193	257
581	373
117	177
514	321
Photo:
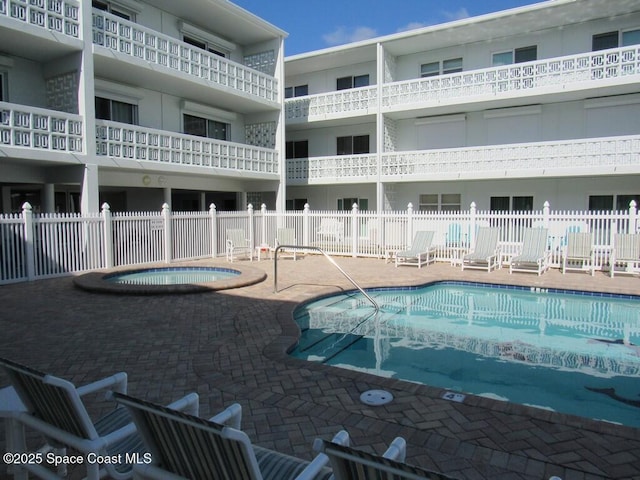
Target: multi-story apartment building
137	103
507	110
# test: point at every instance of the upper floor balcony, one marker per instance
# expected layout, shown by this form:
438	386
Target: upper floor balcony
169	150
614	71
32	132
40	29
150	58
604	156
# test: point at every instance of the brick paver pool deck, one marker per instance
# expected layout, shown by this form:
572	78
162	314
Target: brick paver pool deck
229	346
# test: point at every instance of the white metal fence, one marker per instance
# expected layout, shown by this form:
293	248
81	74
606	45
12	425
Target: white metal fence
36	246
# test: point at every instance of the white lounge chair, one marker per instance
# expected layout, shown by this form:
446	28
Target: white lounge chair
287	236
534	256
54	408
579	249
237	243
184	446
626	250
349	463
486	254
421	251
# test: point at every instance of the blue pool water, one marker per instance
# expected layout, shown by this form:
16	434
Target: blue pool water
573	352
172	276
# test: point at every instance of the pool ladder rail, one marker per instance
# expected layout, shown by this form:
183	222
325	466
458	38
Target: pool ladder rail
317	249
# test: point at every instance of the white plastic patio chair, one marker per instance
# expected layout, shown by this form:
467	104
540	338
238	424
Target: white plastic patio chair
579	249
237	243
421	251
534	256
626	250
184	446
486	254
287	236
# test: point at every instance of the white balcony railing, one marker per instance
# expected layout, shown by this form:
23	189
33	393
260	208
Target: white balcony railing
327	169
558	72
317	107
123	141
496	161
153	47
40	129
62	16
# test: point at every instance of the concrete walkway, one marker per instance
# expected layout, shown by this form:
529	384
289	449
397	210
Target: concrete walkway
229	346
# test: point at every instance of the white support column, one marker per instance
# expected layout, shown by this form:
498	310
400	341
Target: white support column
48	198
89	198
166	191
379	128
168	237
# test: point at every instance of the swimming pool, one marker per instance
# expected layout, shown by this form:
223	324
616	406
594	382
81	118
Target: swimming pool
572	352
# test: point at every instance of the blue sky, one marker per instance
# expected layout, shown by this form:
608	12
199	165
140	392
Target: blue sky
316	24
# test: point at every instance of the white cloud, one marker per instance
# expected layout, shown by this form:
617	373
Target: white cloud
413	26
342	35
456	15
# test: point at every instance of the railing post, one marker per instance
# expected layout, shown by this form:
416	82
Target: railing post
107	241
214	230
305	224
27	216
263	223
251	232
168	238
472	225
633	217
409	223
355	231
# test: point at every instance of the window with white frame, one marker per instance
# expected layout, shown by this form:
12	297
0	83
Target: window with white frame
115	9
297	149
296	204
352	145
205	46
355	81
347	203
518	55
297	91
205	127
615	39
439	202
516	203
432	69
619	202
116	111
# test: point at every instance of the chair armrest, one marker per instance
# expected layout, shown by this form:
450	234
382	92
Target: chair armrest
321	460
230	416
397	450
188	404
117	382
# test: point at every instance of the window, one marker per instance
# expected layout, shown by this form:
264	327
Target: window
2	87
444	202
631	37
602	41
204	46
297	149
606	202
352	82
519	55
354	145
297	91
296	204
107	109
515	204
433	69
113	9
347	203
204	127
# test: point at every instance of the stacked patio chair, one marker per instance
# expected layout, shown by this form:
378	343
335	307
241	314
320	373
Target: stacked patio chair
486	254
535	255
421	251
237	243
626	250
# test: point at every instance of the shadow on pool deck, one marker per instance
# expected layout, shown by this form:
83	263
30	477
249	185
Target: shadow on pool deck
231	346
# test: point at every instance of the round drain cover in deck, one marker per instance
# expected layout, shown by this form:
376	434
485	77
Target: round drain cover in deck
376	397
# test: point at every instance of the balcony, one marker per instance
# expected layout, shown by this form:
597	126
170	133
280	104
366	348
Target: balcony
59	16
37	129
147	50
130	142
324	106
604	156
559	75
